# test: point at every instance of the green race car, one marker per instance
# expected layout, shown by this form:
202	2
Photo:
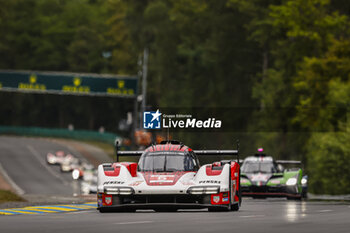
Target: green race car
262	176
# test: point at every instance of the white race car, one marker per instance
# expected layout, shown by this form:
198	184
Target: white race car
168	177
69	164
58	157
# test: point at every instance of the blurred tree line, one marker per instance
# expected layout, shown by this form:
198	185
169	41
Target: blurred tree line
289	59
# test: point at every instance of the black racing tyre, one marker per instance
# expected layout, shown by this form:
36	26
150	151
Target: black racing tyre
127	210
235	207
304	195
109	210
294	198
240	196
103	210
219	209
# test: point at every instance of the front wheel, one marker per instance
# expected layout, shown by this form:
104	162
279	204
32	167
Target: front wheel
235	207
103	210
304	195
219	209
297	198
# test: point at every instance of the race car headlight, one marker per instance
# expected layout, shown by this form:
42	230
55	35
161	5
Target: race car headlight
75	174
119	190
291	181
204	190
303	181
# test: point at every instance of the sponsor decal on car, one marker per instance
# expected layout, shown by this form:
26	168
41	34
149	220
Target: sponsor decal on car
113	182
225	199
275	181
162	178
99	202
216	199
108	200
209	182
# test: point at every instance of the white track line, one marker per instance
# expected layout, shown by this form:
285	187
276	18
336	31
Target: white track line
42	162
127	223
17	189
324	211
80	211
251	216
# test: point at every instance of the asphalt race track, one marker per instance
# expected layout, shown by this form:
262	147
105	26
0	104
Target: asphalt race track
24	161
255	216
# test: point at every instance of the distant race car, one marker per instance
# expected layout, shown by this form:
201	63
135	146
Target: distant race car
89	182
168	177
84	171
88	175
58	157
262	176
69	163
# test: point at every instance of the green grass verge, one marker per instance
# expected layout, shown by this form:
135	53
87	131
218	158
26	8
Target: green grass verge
7	196
109	150
106	147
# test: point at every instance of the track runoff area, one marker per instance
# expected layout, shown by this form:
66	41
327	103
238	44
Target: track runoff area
268	215
48	209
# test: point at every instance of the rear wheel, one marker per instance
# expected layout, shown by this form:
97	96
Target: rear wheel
109	210
297	198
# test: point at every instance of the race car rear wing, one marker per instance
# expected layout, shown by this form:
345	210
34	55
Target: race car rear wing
288	162
197	152
217	152
128	153
220	152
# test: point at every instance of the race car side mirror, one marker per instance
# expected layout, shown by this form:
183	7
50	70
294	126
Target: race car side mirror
116	144
280	168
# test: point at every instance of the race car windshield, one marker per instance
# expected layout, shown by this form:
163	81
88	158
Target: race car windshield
166	162
255	167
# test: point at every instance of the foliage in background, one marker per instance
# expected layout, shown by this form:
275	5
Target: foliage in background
325	83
